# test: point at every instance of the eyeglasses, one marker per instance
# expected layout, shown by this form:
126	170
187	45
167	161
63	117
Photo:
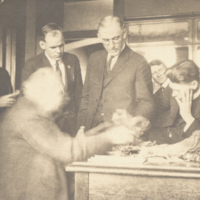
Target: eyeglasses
114	40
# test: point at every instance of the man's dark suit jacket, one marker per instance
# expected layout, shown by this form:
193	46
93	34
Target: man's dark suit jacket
5	85
128	87
168	126
164	108
66	122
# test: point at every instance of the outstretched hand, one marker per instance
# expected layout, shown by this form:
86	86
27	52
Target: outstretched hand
120	135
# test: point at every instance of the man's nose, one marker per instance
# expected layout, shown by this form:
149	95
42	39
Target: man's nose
158	74
111	44
58	50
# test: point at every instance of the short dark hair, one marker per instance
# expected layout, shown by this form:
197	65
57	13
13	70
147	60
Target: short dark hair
183	72
157	62
51	27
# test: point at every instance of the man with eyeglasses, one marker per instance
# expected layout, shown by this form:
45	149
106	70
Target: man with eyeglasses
66	64
116	78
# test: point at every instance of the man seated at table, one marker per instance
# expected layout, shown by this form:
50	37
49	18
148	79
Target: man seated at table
34	151
184	118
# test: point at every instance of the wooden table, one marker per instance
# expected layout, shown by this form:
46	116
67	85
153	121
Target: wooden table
106	181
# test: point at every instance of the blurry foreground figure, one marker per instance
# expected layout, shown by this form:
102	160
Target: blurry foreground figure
34	151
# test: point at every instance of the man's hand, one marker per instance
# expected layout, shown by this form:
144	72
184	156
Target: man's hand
185	105
137	124
7	100
120	135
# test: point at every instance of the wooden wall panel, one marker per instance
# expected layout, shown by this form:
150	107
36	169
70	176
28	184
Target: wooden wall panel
160	8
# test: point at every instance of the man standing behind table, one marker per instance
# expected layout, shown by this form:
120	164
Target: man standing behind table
184	118
116	78
158	69
163	94
52	42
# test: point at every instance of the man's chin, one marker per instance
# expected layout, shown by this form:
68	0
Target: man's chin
114	53
57	59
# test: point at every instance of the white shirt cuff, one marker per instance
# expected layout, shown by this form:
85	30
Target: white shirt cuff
188	125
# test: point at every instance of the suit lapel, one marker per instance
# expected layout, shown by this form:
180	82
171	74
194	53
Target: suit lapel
67	68
119	65
101	69
45	61
69	75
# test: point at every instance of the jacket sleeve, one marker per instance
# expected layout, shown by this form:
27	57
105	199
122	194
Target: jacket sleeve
84	100
5	83
144	91
45	137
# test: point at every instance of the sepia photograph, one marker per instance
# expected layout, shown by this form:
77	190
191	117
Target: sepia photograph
99	99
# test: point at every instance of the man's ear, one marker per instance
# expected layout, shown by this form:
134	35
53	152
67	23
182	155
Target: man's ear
194	85
42	44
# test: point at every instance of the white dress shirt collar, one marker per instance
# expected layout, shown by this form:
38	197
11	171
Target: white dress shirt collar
166	83
52	61
114	60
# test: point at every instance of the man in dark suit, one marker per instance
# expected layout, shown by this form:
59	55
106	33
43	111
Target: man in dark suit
7	98
116	78
52	42
184	105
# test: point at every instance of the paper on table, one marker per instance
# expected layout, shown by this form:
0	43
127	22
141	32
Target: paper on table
116	159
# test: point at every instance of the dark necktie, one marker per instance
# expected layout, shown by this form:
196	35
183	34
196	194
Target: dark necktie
58	69
162	88
108	68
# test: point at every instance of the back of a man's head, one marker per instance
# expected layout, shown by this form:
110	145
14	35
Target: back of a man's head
44	89
183	72
51	27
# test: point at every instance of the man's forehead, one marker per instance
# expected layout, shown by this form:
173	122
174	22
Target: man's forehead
157	67
54	35
111	31
178	86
